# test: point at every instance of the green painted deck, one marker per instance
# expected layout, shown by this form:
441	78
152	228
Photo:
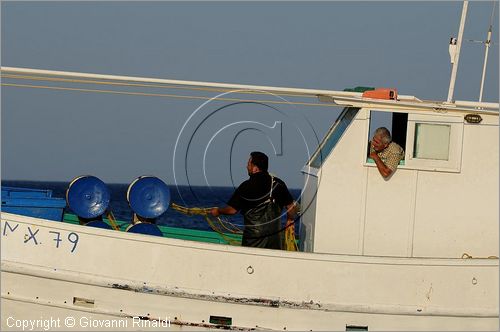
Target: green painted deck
173	232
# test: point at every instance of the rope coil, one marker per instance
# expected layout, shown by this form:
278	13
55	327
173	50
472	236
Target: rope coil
219	225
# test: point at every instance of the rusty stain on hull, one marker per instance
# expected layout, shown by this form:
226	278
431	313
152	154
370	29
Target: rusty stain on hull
274	303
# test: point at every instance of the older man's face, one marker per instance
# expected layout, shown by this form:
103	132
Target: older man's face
378	144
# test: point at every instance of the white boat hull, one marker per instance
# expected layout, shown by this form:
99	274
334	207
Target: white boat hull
108	276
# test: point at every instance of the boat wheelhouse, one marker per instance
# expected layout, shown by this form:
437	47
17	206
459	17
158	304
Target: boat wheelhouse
440	201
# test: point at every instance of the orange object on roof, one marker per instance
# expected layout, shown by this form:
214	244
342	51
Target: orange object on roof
381	93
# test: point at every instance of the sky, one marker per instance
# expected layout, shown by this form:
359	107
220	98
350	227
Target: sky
50	135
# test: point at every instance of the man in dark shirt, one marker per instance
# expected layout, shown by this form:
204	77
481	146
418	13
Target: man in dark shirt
260	200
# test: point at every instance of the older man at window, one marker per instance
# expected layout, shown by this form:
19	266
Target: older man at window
385	152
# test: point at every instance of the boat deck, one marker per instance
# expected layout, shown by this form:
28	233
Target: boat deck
173	232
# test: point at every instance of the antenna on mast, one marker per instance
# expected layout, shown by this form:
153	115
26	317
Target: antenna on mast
487	44
455	45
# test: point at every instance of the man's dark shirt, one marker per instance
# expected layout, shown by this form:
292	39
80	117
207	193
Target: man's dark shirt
262	221
256	190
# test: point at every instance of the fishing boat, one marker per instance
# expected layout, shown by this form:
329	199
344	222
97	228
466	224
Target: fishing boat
417	251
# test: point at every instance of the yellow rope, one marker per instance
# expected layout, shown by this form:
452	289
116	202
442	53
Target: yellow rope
205	212
165	86
227	239
190	211
165	95
467	256
290	242
225	224
112	220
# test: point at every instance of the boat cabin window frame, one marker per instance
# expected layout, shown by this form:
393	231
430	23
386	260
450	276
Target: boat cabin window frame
369	162
454	161
331	139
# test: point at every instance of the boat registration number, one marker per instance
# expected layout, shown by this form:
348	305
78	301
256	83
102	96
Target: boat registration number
33	236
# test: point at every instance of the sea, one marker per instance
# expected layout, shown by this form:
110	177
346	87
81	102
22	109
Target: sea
189	196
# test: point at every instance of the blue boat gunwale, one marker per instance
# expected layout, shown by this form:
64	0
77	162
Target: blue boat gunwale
21	192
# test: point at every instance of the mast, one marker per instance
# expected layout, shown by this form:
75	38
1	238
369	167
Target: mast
487	48
487	44
456	55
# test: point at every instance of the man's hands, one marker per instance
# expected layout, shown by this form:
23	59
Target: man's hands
373	151
377	145
382	168
292	210
228	210
215	212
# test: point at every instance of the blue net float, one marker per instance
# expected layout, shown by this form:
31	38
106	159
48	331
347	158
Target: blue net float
87	196
98	224
148	196
145	228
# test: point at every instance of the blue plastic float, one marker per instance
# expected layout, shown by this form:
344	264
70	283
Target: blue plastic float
148	196
145	228
88	196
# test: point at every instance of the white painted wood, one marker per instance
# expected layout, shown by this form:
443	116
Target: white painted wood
458	213
426	209
388	212
142	275
339	213
308	209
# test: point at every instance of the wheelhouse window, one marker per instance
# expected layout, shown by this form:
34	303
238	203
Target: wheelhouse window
432	141
436	142
333	136
395	122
